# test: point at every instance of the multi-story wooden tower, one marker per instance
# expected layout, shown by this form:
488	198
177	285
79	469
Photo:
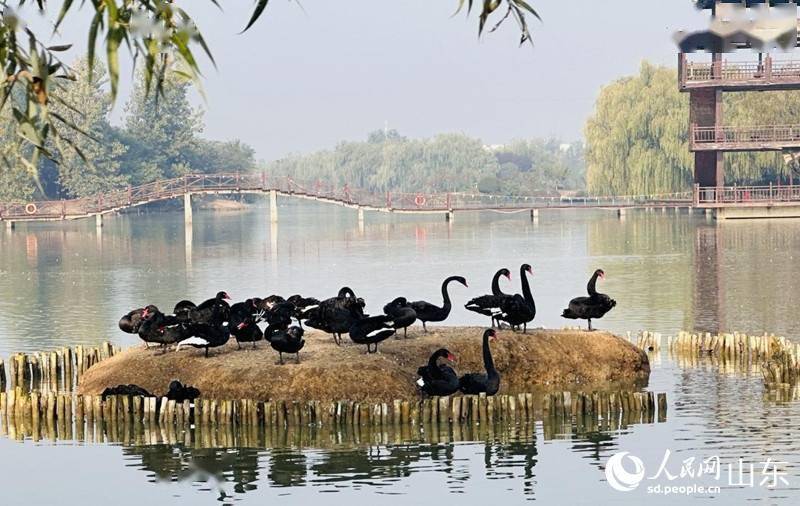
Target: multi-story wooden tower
710	139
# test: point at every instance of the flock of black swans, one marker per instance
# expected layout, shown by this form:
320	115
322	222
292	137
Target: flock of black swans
212	323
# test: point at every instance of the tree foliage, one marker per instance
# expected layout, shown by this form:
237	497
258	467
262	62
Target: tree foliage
388	161
637	138
161	36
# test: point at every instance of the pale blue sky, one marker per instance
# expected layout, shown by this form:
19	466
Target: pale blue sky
304	79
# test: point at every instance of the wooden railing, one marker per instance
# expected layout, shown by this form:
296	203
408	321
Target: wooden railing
319	190
732	73
755	137
746	195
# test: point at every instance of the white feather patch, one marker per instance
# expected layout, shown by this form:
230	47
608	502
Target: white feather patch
421	382
193	341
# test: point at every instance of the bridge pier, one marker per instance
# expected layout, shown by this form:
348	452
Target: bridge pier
98	221
188	240
450	216
9	225
534	214
273	206
360	216
187	208
621	212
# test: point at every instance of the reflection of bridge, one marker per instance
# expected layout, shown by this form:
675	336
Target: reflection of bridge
446	203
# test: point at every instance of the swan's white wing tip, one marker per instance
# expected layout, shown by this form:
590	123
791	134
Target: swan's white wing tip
193	341
421	382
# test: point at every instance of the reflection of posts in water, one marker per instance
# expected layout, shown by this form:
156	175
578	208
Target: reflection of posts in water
709	288
360	220
273	245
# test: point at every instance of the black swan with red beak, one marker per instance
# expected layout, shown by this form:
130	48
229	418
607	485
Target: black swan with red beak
490	305
244	322
213	312
438	379
595	306
156	327
519	309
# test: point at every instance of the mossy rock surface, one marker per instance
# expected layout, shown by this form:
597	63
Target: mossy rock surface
558	359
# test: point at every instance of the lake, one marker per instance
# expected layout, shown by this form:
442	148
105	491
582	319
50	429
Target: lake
67	284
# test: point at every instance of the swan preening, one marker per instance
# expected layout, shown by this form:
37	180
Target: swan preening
212	323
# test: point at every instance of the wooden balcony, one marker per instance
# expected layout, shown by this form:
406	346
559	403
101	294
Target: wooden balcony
739	76
755	138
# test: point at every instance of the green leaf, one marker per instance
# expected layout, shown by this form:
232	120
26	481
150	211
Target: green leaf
260	6
527	7
64	9
112	54
93	29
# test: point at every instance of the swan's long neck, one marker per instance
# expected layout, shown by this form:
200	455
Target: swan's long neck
445	295
496	284
526	289
591	286
488	363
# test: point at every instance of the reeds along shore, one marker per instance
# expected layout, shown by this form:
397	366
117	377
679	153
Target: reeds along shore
58	370
68	416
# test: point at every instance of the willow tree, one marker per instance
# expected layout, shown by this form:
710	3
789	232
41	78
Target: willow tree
637	137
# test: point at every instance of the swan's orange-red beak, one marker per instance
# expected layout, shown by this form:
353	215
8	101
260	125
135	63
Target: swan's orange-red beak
451	357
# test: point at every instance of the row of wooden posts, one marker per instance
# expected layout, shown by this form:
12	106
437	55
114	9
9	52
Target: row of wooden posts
54	370
51	408
733	345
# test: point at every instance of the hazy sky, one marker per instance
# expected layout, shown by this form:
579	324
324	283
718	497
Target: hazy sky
301	80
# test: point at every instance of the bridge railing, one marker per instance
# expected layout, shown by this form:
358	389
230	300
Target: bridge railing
710	196
732	135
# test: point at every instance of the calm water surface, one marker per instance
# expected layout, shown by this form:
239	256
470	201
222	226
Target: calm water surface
66	284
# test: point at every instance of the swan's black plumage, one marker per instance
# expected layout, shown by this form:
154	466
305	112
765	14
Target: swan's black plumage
131	322
520	309
183	310
438	379
286	340
206	336
161	329
243	322
337	314
427	312
126	390
596	305
490	305
178	392
212	312
402	314
476	383
372	331
301	306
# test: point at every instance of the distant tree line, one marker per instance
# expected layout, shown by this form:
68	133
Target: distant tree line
387	161
159	138
637	140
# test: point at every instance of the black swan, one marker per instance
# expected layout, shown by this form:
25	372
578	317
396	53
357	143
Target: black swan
520	309
183	310
427	312
131	322
301	306
243	323
476	383
372	330
161	329
206	336
337	314
401	313
596	305
129	390
286	341
489	305
438	379
213	312
178	392
267	303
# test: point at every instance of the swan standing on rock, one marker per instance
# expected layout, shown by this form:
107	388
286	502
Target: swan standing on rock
489	305
438	379
596	305
476	383
427	312
520	309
